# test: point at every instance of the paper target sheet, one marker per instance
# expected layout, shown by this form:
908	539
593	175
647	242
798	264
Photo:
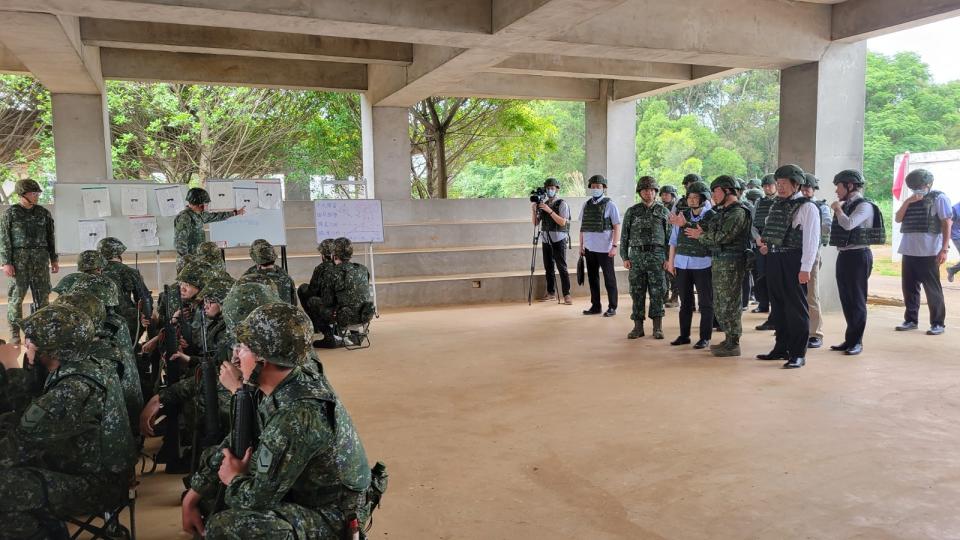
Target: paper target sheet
90	232
96	202
133	201
170	200
143	231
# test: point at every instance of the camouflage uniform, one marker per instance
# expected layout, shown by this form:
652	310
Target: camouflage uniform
309	470
311	294
188	225
263	254
135	297
72	452
27	242
644	240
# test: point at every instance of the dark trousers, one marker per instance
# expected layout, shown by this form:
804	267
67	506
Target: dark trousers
746	289
700	280
923	271
788	298
595	262
853	270
760	282
555	255
955	268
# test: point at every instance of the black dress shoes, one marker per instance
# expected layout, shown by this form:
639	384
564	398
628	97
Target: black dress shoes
702	344
591	311
841	347
814	343
767	325
795	363
681	341
854	350
772	356
906	325
610	312
759	310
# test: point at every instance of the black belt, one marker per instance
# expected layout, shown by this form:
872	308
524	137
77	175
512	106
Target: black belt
646	247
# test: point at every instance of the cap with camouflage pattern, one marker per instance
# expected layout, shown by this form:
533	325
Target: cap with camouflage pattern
111	248
262	252
85	302
59	328
244	298
279	333
90	261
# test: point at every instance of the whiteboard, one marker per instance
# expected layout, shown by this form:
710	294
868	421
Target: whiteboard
257	223
360	220
68	212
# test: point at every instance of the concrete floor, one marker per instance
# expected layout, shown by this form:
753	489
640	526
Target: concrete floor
511	421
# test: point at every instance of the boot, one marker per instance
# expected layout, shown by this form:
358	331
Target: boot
732	348
658	328
673	300
718	346
637	331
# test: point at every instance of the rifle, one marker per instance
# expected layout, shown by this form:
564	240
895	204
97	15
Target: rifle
169	451
243	434
208	384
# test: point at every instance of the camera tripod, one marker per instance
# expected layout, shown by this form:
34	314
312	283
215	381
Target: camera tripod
533	263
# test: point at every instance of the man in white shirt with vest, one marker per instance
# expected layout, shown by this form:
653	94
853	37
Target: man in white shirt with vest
599	238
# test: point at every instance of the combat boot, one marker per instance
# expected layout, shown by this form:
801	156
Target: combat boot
732	348
658	328
721	345
637	331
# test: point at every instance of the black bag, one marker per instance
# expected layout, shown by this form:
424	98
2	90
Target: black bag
580	271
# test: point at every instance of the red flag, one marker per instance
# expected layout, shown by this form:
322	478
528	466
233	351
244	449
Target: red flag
900	176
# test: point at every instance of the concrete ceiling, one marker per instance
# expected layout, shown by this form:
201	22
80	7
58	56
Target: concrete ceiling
400	51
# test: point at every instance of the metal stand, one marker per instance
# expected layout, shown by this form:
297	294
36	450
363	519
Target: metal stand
373	280
159	282
283	258
533	262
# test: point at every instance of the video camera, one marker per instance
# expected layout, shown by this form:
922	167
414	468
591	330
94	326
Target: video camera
538	195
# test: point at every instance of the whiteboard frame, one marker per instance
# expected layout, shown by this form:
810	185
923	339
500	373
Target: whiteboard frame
219	229
323	234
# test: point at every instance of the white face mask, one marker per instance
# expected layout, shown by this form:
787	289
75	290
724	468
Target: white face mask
597	193
551	193
921	192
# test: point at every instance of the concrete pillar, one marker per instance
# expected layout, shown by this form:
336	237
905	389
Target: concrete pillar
81	138
821	128
611	132
386	150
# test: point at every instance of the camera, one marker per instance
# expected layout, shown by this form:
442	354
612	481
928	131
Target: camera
538	195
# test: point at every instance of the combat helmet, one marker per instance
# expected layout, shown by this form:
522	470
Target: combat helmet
192	274
27	185
244	298
691	178
810	180
215	289
262	252
699	188
90	261
209	252
551	182
753	194
342	249
277	332
669	189
111	248
768	180
647	182
102	287
753	183
792	173
86	303
724	181
59	328
198	196
597	179
326	248
849	176
919	178
256	277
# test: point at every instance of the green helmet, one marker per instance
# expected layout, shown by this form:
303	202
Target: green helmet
741	185
86	303
647	182
668	189
198	196
700	188
810	180
551	182
597	179
27	185
215	289
919	178
278	332
326	248
102	287
262	252
254	277
192	274
59	328
753	194
111	248
792	173
849	176
342	249
754	183
768	180
691	178
90	261
725	182
244	298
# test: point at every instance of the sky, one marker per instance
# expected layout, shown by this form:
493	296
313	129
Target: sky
937	43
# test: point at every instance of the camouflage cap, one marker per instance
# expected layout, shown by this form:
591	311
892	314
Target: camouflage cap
90	260
86	303
668	189
919	178
326	248
724	181
198	196
597	179
768	180
260	279
647	182
215	289
278	332
111	248
59	328
849	176
790	172
810	180
342	249
753	194
192	274
244	298
102	287
27	185
691	178
262	252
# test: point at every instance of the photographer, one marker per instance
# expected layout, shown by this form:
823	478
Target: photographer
553	216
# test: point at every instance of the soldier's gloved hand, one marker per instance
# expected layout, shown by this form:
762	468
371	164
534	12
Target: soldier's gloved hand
9	270
190	514
148	415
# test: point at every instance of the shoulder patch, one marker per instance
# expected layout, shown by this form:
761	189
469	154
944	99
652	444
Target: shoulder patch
264	459
32	416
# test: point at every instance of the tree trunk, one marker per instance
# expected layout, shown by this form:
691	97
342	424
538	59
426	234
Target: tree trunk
441	170
206	150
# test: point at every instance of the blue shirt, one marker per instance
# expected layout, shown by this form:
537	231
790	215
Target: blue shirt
920	244
601	242
955	229
686	262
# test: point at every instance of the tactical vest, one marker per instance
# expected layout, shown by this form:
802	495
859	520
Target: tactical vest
648	227
692	247
737	247
876	234
921	217
549	225
824	216
594	219
762	211
780	231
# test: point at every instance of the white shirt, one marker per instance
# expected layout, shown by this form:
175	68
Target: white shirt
862	216
807	217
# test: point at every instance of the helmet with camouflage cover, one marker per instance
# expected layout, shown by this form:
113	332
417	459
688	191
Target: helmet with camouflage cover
691	178
768	180
59	328
753	194
215	289
342	249
192	274
111	248
792	173
27	185
262	252
86	303
209	252
919	179
810	180
724	181
668	189
90	261
102	287
254	277
198	196
326	248
244	298
597	179
278	332
699	188
647	182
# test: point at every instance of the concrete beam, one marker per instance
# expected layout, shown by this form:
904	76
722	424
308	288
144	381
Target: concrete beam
126	64
611	145
502	86
214	40
633	90
862	19
49	50
10	63
552	65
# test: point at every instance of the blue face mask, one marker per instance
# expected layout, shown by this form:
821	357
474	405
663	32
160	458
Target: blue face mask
597	193
551	193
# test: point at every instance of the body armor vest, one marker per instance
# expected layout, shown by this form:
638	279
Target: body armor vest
922	217
649	225
876	234
762	211
593	216
690	246
547	223
780	231
737	247
824	216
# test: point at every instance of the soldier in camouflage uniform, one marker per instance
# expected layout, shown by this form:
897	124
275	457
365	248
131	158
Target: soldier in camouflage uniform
310	294
645	235
350	284
670	198
265	258
728	237
307	475
747	287
72	452
188	225
136	302
28	252
88	262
